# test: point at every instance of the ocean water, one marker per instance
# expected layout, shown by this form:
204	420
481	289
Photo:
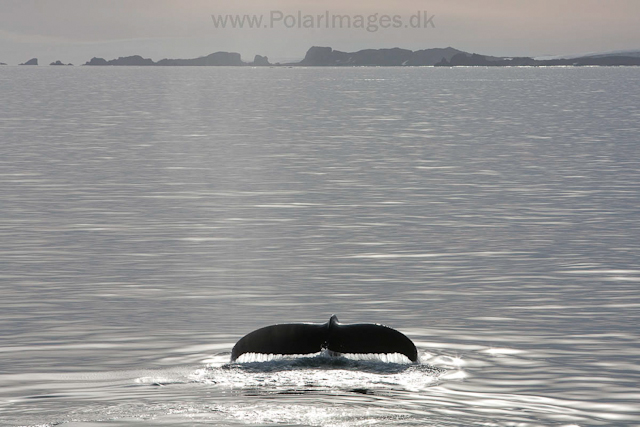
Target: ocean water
150	217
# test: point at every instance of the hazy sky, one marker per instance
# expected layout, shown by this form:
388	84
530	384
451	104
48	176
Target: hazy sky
76	30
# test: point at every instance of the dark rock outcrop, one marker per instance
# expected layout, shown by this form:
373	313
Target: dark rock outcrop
259	60
319	56
215	59
135	60
33	61
59	63
97	61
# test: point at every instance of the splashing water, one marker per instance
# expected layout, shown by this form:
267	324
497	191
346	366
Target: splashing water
258	373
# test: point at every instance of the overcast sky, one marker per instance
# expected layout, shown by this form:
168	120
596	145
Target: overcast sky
76	30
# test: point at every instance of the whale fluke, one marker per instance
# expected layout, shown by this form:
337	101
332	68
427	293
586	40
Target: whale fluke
306	338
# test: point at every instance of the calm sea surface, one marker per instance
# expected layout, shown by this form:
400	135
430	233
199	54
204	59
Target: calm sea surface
150	217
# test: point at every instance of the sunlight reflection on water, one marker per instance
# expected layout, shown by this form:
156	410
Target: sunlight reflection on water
152	217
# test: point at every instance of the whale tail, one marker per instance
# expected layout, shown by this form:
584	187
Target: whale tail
306	338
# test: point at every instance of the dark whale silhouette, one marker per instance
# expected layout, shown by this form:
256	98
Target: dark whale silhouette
306	338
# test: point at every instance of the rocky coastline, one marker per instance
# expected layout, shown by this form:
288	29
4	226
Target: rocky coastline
318	56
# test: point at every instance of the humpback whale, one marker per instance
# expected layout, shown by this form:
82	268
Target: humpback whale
306	338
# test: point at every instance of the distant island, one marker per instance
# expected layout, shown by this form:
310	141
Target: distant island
318	56
33	61
326	56
231	59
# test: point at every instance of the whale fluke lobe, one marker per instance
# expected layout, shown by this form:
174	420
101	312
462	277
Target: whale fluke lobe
306	338
291	338
371	338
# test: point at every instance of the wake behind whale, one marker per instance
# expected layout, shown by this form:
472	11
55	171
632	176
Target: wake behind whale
336	337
